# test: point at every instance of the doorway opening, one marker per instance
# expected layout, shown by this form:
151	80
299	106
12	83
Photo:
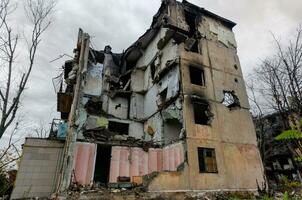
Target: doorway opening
102	165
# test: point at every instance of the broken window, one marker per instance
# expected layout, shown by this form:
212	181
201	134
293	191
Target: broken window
202	114
118	127
207	160
195	47
163	95
93	106
152	69
67	68
197	76
190	18
230	100
192	45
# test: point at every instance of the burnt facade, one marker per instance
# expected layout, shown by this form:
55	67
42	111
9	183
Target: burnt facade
170	113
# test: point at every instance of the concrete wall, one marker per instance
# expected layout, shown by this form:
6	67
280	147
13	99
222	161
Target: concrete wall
118	107
93	80
155	124
150	102
239	166
136	106
151	50
38	168
136	130
231	132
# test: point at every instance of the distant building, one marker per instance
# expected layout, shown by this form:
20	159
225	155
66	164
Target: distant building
170	113
277	156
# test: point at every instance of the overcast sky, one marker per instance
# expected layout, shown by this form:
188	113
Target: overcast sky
120	22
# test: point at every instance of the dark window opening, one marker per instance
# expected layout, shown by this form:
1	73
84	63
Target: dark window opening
192	45
197	76
152	69
93	107
191	21
128	110
118	127
125	81
102	164
69	89
64	115
236	80
202	114
67	68
195	48
207	160
236	67
230	100
163	95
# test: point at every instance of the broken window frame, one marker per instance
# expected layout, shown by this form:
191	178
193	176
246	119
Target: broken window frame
191	19
230	99
205	160
94	106
193	76
202	114
192	45
163	95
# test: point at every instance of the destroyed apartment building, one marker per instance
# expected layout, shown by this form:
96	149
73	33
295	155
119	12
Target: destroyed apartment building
170	113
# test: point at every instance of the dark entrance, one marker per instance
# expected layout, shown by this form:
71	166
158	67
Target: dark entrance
102	164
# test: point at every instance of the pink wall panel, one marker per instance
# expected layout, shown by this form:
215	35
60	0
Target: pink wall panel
114	164
135	158
126	161
143	163
83	165
152	161
159	159
165	161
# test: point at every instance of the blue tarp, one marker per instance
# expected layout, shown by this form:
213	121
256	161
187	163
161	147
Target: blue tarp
62	130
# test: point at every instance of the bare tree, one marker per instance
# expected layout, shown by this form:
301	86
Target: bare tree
10	154
279	79
258	116
39	14
40	131
277	84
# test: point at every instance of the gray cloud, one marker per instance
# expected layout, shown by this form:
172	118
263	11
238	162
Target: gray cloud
119	23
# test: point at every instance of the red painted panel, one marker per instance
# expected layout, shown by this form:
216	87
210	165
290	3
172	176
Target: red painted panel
127	161
83	165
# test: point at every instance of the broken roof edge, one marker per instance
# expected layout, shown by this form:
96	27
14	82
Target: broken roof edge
229	23
133	51
154	28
